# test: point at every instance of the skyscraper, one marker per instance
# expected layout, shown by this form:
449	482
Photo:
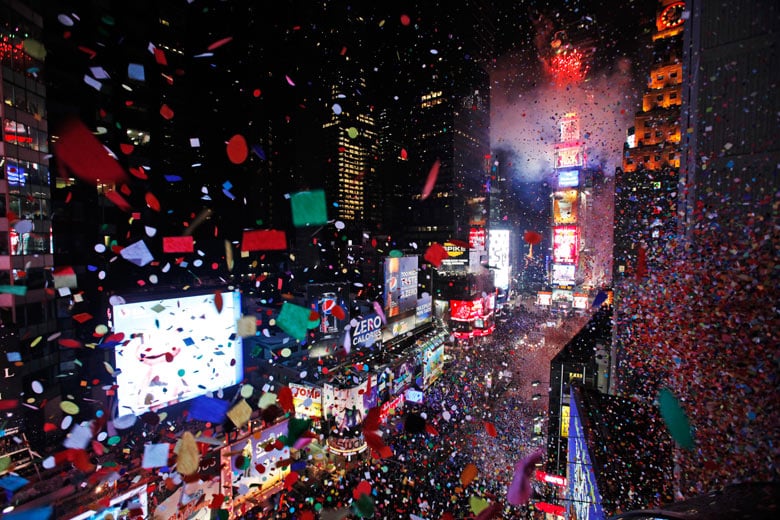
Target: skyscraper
646	185
27	310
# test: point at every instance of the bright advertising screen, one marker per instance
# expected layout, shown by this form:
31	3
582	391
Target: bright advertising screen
566	244
176	349
498	257
251	465
563	274
583	490
565	207
400	291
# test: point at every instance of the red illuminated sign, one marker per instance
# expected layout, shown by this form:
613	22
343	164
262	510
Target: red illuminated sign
566	244
551	479
553	509
461	310
477	239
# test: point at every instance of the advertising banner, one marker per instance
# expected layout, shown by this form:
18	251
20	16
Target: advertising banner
462	310
251	464
580	301
565	207
400	289
367	331
563	274
498	257
424	309
331	302
403	376
569	178
477	239
566	244
457	256
569	156
396	328
544	298
583	491
307	400
348	406
433	364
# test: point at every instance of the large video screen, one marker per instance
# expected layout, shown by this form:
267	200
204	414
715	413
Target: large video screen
176	349
400	292
498	257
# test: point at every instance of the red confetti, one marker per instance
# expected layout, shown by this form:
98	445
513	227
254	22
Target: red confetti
435	254
431	181
372	421
69	343
126	148
118	200
405	20
166	112
139	173
237	149
285	399
86	157
219	43
264	240
218	301
183	244
490	429
152	201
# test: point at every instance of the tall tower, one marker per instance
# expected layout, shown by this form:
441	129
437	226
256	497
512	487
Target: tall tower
351	147
569	163
646	186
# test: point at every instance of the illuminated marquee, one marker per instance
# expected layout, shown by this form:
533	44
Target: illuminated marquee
566	244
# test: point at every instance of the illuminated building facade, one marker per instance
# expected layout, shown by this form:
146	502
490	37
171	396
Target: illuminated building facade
27	308
351	141
646	186
569	163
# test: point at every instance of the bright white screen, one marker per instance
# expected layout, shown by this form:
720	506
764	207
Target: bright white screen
176	349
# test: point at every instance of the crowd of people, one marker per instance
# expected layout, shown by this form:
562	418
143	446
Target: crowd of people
454	453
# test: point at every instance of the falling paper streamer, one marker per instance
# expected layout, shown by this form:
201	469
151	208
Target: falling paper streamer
380	312
237	149
675	418
431	181
86	157
468	474
519	491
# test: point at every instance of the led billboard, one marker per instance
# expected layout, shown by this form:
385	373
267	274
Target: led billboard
563	274
307	400
400	289
477	239
565	207
251	465
566	244
498	257
585	500
568	178
568	156
331	302
176	349
457	256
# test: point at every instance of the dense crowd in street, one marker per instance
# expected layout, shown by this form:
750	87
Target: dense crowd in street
474	414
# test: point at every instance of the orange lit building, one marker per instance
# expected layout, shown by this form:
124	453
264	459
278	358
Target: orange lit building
647	185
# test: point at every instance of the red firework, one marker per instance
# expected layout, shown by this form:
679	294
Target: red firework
568	66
